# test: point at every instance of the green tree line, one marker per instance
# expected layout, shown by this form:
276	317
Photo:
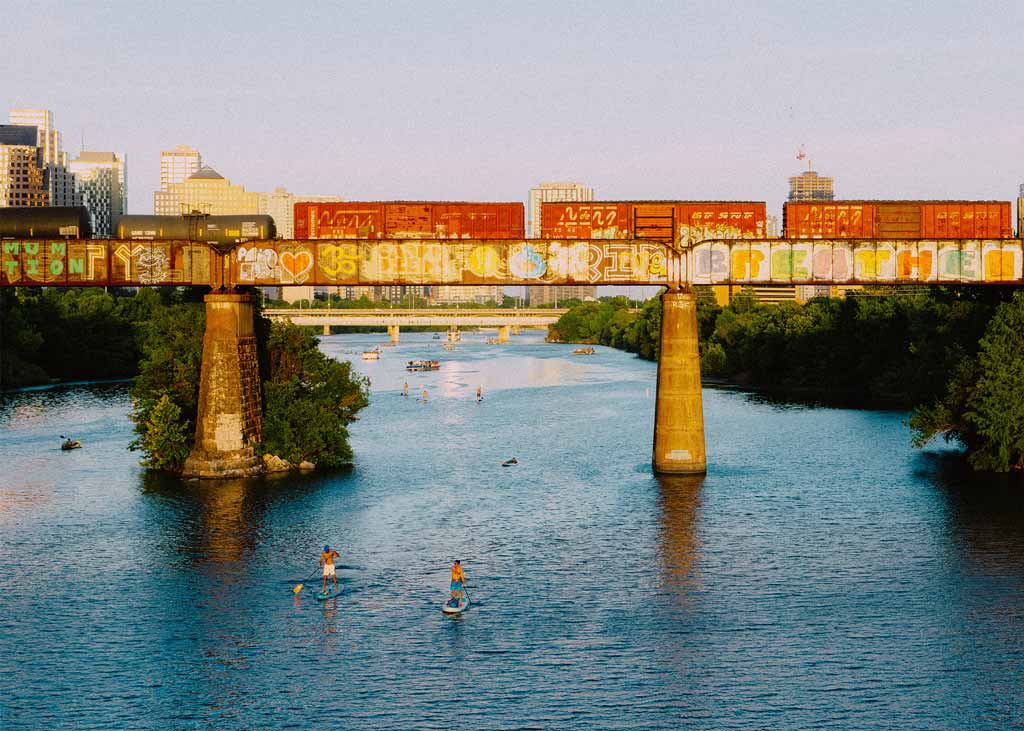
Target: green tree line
954	356
156	337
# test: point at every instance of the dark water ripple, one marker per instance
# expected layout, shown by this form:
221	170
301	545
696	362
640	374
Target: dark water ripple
822	576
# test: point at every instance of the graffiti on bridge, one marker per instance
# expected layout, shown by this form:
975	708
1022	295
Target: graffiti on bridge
839	261
100	262
346	262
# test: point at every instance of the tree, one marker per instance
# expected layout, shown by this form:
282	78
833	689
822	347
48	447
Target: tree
165	438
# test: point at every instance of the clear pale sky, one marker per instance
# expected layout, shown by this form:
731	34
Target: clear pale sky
474	101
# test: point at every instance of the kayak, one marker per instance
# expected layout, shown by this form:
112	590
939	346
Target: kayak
321	596
509	463
449	608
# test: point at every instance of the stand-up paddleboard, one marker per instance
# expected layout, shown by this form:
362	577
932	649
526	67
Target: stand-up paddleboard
450	608
324	596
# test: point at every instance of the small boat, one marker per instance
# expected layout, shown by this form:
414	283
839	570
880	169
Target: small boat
71	444
448	346
583	351
451	607
510	462
437	336
371	354
423	365
492	341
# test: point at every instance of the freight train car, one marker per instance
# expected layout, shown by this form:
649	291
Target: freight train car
682	222
211	229
44	222
898	220
408	219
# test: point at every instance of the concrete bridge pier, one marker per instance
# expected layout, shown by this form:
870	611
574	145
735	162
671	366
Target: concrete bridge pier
230	403
327	330
679	409
393	333
503	331
453	334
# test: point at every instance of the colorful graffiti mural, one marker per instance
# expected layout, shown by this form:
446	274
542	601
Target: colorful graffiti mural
508	262
844	261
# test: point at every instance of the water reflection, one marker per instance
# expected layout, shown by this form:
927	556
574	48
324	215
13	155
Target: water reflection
680	504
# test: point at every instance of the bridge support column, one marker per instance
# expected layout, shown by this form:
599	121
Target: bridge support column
230	405
503	331
327	329
453	334
516	329
393	333
679	410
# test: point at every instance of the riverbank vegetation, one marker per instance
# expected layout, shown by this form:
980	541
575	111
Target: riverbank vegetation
952	355
156	337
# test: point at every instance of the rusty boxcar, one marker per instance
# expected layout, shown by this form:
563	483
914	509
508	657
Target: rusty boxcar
408	219
682	222
898	220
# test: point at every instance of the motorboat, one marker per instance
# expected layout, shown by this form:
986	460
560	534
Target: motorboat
423	365
371	354
583	351
492	341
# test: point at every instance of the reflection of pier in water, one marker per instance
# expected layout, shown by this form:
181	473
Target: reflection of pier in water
681	501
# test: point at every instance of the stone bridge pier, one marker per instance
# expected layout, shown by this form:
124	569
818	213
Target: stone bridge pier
679	409
393	333
230	415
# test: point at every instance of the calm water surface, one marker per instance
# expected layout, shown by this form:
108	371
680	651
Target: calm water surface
822	576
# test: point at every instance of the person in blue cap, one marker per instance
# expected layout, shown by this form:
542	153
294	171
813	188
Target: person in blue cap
327	562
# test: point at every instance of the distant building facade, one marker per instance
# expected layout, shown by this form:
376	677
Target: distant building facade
552	192
176	166
58	181
21	180
476	294
102	188
536	296
809	186
206	191
280	205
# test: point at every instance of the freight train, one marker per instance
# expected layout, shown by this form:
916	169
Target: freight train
73	222
682	222
408	220
44	222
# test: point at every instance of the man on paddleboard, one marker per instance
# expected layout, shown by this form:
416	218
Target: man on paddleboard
327	561
457	580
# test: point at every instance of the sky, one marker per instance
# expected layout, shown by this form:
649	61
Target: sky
481	101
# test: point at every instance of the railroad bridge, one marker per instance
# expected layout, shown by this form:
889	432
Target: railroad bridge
230	410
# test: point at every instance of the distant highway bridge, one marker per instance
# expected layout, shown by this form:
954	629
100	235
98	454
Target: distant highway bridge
415	317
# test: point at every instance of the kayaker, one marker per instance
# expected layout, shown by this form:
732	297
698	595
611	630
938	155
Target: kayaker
327	562
458	579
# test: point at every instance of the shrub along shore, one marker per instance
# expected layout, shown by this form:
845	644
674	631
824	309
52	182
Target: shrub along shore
954	356
156	337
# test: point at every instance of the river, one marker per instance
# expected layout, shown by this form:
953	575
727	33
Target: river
824	575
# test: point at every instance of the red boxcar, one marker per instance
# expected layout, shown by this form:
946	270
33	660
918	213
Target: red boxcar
408	219
683	222
898	220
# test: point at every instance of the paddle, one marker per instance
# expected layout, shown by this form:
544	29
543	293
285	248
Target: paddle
298	587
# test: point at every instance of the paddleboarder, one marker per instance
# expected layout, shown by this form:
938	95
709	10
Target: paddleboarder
327	562
458	578
424	395
405	390
479	394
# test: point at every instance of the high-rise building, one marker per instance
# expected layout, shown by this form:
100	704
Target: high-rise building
1020	212
280	205
554	294
553	192
206	191
21	180
809	186
102	187
176	166
51	158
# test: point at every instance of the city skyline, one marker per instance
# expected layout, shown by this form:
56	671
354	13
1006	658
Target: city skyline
639	102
